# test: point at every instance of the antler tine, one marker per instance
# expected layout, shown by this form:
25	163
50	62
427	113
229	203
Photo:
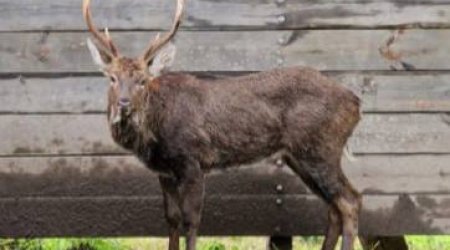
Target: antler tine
106	40
158	43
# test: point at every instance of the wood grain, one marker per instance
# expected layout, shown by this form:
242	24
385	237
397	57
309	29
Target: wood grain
413	133
380	93
236	51
360	49
209	15
89	134
400	93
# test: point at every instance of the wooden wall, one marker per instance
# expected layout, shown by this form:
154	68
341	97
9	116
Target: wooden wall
61	174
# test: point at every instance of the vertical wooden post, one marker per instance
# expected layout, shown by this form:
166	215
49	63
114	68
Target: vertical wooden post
280	243
383	242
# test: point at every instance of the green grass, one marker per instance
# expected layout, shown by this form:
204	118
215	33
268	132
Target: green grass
432	243
207	243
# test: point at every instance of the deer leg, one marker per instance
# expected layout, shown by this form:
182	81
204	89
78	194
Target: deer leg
334	228
349	205
328	181
172	210
192	193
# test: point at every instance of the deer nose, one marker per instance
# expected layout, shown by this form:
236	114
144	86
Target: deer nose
124	102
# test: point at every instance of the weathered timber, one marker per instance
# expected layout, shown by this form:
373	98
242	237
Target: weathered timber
238	215
197	51
209	15
360	49
402	134
380	93
60	189
89	134
400	93
125	175
365	14
236	51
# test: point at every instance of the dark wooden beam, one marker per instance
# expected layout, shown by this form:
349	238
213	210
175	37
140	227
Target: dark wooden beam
259	215
384	243
280	243
103	176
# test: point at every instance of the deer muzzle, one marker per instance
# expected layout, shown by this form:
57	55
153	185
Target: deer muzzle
122	110
124	103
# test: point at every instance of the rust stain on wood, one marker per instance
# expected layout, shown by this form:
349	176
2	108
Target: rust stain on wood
386	50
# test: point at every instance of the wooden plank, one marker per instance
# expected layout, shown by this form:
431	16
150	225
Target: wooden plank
379	92
402	134
197	51
60	95
238	215
125	175
365	14
207	15
89	134
236	51
56	135
400	93
360	49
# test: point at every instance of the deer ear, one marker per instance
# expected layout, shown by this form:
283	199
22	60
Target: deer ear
100	57
163	60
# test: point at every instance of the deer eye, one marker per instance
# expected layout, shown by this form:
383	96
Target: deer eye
113	80
143	82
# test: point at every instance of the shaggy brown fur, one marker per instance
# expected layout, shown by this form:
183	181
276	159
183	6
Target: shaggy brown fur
181	124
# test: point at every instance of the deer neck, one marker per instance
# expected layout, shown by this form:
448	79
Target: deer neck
136	130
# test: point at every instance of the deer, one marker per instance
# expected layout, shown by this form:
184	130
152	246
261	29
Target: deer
182	126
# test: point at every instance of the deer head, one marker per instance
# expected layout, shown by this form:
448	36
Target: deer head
129	76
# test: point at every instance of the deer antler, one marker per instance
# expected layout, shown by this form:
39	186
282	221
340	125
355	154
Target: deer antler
105	40
159	42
